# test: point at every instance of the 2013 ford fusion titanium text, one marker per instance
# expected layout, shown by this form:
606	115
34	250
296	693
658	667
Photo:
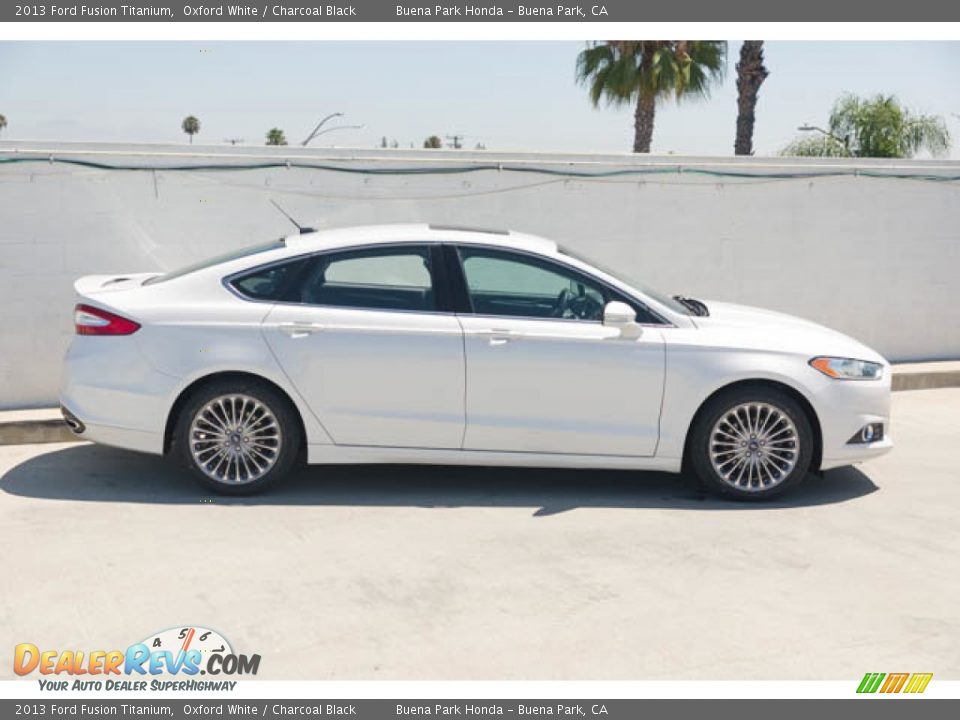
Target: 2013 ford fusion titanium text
429	344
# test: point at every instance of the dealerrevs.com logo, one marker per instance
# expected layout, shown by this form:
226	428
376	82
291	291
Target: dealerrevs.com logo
168	660
887	683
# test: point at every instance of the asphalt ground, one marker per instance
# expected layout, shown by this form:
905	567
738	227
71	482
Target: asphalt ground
385	572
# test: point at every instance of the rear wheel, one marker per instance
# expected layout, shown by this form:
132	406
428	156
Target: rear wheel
237	437
752	444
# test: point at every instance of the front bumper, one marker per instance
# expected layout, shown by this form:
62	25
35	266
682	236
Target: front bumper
843	408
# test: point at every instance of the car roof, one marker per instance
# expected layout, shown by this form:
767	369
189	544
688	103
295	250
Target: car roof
414	232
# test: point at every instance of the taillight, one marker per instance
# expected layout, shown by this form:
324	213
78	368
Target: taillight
94	321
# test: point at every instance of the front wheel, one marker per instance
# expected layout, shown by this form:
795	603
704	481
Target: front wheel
752	444
237	437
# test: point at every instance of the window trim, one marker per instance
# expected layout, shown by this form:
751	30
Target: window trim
460	281
449	283
438	277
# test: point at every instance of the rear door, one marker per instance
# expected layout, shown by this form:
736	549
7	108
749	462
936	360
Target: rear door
365	343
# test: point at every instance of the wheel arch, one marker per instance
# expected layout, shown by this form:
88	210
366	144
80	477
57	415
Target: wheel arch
206	380
794	394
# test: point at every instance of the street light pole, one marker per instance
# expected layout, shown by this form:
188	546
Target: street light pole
320	124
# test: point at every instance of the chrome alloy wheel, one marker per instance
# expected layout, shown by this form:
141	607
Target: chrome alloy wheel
754	446
235	439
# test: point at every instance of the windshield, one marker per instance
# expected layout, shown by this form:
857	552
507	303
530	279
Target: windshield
664	300
210	262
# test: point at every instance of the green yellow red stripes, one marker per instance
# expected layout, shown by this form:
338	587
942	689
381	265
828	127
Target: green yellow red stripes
894	682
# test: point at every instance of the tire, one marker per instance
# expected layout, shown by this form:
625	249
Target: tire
751	443
237	437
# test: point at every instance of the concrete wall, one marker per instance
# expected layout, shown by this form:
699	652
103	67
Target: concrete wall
878	258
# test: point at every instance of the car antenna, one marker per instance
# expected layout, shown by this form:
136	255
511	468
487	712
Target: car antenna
303	230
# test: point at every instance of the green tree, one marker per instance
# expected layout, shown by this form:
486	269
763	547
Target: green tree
751	72
3	122
878	126
817	146
433	142
191	126
647	71
275	136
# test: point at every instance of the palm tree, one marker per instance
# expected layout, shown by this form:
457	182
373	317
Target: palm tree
646	71
3	122
275	136
191	126
878	127
750	76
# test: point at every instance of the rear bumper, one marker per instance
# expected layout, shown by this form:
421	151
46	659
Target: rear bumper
119	437
111	395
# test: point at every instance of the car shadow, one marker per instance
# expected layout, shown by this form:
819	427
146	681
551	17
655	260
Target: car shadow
100	474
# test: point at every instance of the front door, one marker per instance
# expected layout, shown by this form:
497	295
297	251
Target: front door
543	373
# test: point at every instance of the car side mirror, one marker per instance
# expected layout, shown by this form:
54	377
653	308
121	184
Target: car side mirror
621	316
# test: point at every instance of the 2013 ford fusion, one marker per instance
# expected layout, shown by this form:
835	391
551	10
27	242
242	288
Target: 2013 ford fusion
430	344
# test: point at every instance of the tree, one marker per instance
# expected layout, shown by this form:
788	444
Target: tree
647	71
751	73
433	142
3	122
275	136
191	126
817	146
877	126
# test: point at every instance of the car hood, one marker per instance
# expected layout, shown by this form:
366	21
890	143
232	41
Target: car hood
779	330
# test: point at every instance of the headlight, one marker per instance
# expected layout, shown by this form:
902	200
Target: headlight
848	368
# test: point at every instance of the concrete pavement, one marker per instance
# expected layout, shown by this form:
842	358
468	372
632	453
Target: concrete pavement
465	573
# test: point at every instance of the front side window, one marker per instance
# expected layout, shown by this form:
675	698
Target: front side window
398	278
506	283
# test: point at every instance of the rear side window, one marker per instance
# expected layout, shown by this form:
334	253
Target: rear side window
267	283
395	278
400	271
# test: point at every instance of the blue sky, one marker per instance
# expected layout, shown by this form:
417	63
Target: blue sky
506	95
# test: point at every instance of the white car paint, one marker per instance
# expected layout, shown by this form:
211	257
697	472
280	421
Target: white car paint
400	386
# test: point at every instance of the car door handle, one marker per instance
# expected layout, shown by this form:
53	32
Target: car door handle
499	336
299	329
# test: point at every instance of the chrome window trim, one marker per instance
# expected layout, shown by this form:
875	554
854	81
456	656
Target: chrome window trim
227	281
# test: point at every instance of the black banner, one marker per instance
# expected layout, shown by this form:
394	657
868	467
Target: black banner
481	11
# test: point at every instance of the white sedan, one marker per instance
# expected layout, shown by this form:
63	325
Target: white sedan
434	344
